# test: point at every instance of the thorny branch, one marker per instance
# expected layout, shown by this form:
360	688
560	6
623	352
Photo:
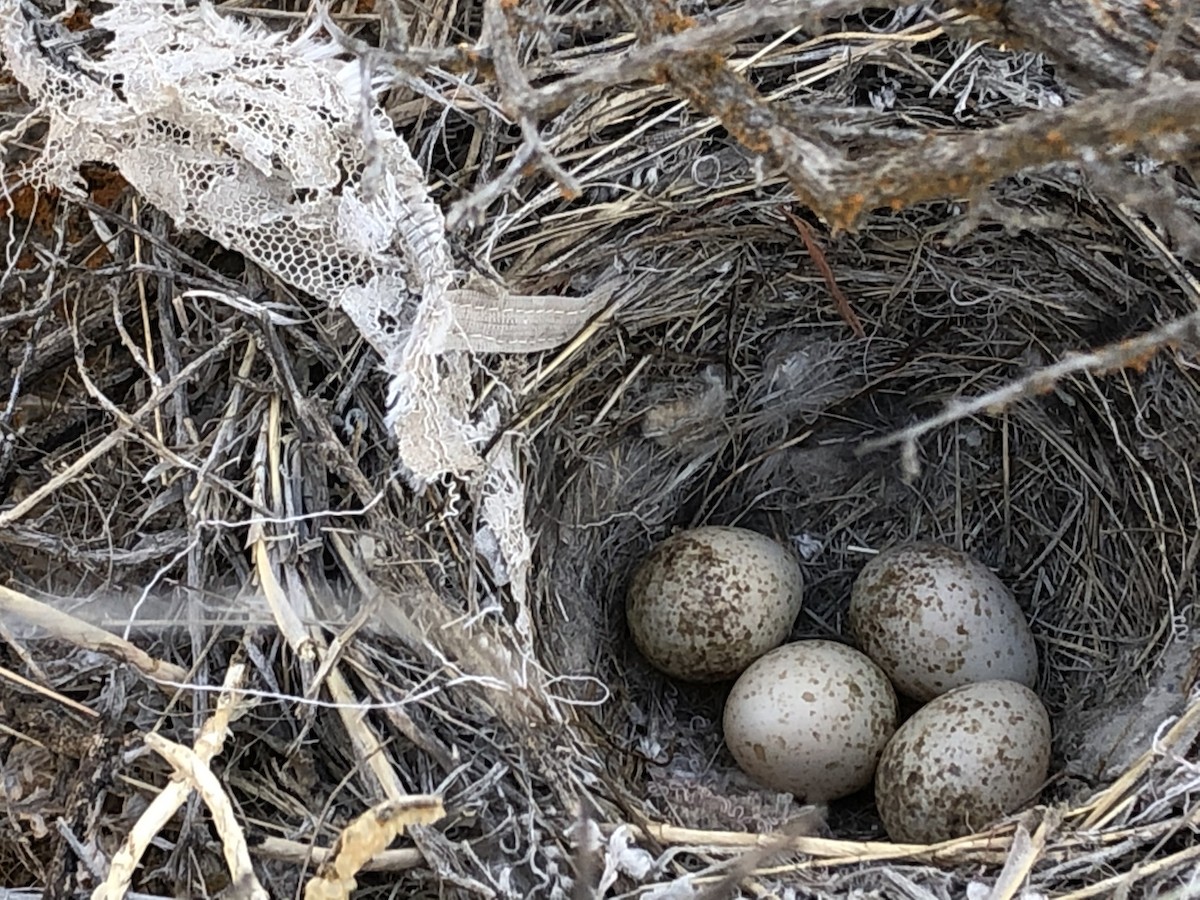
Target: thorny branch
707	37
515	87
1148	102
1110	44
1162	119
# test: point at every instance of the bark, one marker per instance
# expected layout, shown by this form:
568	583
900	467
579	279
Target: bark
1096	43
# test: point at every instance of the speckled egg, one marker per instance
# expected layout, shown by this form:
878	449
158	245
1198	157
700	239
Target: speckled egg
709	601
973	755
810	718
933	618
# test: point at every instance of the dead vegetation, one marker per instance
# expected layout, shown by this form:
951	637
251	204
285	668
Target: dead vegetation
884	272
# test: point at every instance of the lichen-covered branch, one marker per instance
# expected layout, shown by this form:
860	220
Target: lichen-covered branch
1161	119
745	22
1098	43
1143	58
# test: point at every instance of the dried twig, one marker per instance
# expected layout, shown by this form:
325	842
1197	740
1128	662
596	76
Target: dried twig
308	642
845	310
1134	353
34	687
283	850
1109	45
76	631
515	88
190	767
208	744
989	846
1161	118
642	62
118	435
366	836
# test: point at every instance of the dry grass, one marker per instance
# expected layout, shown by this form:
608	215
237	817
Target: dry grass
215	486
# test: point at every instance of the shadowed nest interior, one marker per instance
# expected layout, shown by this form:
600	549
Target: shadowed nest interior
727	383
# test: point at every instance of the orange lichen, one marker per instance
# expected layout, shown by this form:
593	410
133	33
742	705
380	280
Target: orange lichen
668	21
1156	12
1042	385
960	184
847	211
1057	141
755	141
885	184
1131	357
79	20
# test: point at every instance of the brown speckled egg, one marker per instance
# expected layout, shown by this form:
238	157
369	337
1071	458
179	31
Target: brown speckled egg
709	601
810	718
973	755
933	619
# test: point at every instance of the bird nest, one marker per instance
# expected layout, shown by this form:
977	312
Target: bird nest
243	649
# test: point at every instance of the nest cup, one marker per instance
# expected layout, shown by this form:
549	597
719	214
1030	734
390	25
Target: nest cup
752	416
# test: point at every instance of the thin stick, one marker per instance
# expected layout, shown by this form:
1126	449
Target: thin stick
845	310
827	848
76	631
208	744
1134	353
189	766
47	692
1109	887
283	850
118	435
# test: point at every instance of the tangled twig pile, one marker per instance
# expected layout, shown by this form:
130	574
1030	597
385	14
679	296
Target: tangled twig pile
325	464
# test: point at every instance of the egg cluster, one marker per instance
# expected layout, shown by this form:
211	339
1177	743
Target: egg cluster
820	719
